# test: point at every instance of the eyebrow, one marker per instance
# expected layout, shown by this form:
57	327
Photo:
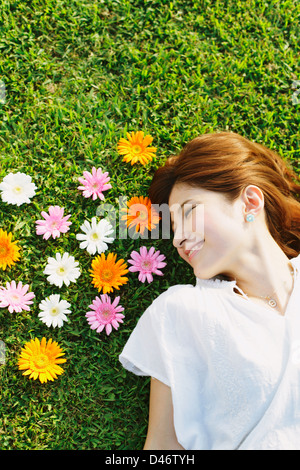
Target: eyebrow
182	205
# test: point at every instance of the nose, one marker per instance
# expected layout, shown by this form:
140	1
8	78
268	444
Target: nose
179	237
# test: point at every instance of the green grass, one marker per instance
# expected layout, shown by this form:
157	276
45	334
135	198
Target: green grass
78	75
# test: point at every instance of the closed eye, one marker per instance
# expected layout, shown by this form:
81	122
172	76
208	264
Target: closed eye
190	210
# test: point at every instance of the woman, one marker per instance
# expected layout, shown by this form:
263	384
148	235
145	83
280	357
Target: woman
224	355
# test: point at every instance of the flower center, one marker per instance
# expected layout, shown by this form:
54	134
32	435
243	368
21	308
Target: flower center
41	361
54	311
3	250
94	236
136	149
106	275
54	224
105	314
61	271
17	189
146	265
142	215
14	297
95	185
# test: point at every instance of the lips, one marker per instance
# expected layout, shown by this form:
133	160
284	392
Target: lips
194	250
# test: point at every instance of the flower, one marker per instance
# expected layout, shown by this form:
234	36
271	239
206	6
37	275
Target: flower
15	297
108	274
62	269
105	314
41	359
141	214
54	311
17	188
136	148
147	263
94	183
54	223
95	236
9	251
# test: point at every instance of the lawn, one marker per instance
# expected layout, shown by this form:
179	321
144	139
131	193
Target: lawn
78	76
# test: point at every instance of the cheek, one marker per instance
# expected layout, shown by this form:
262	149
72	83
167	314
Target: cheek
220	229
210	230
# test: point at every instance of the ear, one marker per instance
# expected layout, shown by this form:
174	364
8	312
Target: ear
253	200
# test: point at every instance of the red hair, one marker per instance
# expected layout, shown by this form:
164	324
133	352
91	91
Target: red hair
227	162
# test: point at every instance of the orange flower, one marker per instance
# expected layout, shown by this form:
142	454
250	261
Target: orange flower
136	148
108	274
140	214
9	251
41	359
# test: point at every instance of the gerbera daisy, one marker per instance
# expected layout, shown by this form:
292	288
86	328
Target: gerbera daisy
105	314
147	263
94	183
15	297
53	311
136	148
54	223
95	236
62	269
140	214
9	251
17	188
40	359
108	274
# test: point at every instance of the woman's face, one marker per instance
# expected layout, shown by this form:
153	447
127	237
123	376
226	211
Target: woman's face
209	231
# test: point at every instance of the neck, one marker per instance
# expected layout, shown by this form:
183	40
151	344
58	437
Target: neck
264	271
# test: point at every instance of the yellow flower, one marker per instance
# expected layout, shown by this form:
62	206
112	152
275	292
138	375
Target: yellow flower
108	274
41	359
136	148
9	251
140	214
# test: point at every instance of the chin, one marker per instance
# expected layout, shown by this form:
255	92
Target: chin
202	274
207	272
206	275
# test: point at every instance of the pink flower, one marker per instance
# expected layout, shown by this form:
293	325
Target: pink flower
54	223
147	263
15	298
105	314
94	184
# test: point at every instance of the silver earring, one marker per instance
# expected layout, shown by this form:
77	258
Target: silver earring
250	217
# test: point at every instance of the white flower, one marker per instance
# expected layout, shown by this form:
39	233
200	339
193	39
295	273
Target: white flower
54	310
62	269
17	188
95	236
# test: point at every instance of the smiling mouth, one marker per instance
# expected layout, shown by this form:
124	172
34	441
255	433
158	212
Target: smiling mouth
195	249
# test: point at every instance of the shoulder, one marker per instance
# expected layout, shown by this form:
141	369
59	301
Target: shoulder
180	294
178	301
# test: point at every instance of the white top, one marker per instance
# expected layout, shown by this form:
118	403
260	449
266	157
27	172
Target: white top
233	366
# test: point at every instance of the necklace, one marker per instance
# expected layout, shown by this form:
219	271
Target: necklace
271	301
